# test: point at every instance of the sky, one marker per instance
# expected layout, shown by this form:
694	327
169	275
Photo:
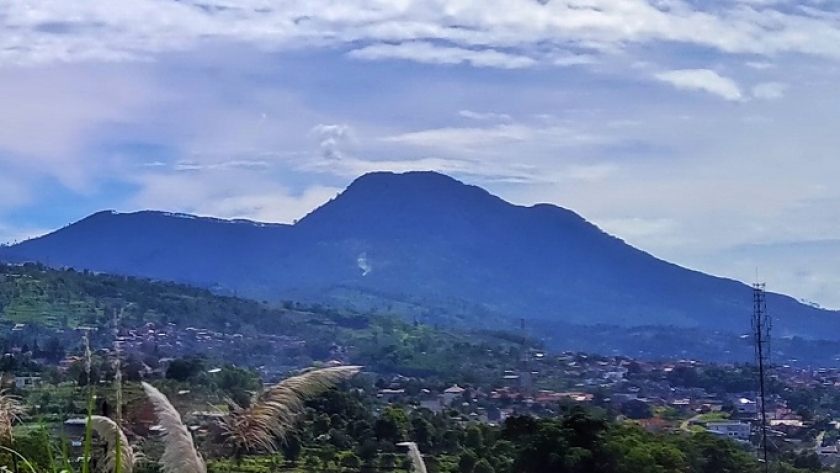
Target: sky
701	131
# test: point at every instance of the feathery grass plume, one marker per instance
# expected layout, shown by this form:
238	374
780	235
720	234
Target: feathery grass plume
10	408
272	412
118	365
179	452
118	382
418	465
114	439
88	354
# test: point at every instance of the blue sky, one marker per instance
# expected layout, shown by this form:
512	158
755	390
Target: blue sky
702	132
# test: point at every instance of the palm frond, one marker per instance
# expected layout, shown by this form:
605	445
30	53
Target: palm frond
418	465
179	453
113	435
272	412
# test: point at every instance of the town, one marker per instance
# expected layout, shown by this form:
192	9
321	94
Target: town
660	396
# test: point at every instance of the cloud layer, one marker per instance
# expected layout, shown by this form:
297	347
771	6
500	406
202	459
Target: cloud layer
492	33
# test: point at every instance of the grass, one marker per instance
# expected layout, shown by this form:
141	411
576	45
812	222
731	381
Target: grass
712	417
267	417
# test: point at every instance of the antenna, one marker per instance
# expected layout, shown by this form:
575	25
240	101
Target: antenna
761	325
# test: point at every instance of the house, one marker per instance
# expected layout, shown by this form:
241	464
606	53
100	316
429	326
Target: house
732	429
452	393
434	405
22	382
786	426
682	405
390	394
746	406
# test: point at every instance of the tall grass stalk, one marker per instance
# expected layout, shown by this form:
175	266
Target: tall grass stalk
418	465
272	412
87	447
119	456
10	410
45	437
118	381
65	454
19	457
179	452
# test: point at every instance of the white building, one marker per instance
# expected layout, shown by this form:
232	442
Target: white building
746	406
735	430
23	382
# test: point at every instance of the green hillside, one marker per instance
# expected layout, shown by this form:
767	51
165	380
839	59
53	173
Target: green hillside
52	301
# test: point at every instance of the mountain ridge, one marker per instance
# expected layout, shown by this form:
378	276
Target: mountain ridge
430	239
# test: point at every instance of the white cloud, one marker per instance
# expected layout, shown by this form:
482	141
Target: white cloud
12	233
429	53
640	228
192	165
484	115
769	90
759	65
331	139
706	80
462	138
470	139
49	112
14	191
227	193
52	31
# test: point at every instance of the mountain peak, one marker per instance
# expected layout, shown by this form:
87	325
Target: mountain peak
409	202
423	184
428	178
423	236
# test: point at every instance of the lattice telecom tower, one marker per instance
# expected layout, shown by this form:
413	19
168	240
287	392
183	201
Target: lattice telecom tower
761	325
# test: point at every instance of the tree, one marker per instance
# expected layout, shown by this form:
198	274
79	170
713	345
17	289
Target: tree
184	368
423	433
388	461
483	466
310	463
474	439
636	409
291	448
236	381
327	455
367	451
466	462
350	461
392	425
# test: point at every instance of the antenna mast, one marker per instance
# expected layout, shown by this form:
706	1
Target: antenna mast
761	325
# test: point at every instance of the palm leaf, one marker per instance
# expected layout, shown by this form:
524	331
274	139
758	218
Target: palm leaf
179	453
272	412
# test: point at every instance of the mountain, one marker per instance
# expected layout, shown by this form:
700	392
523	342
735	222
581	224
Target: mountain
432	247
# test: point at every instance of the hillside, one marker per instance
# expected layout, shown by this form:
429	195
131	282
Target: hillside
52	303
428	246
